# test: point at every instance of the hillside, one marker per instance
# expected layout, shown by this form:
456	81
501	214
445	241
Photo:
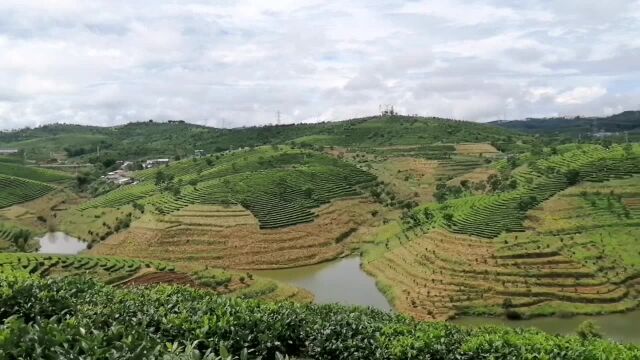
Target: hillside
516	253
128	273
178	323
450	219
628	121
154	139
234	210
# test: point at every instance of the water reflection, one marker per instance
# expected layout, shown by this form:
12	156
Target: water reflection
340	281
623	328
60	243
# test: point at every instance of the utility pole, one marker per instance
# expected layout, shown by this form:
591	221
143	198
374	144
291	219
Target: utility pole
278	117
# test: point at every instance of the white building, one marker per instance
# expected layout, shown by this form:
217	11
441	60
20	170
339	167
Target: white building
155	163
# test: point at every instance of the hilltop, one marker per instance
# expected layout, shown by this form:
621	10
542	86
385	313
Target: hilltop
156	139
627	121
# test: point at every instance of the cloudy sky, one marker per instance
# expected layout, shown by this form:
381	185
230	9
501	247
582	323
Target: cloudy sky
240	61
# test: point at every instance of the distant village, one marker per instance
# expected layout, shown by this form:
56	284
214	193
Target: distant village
122	177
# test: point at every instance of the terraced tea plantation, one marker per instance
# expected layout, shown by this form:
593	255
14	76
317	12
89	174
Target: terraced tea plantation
440	275
107	268
14	190
130	272
579	255
279	187
33	173
429	152
490	215
229	236
14	238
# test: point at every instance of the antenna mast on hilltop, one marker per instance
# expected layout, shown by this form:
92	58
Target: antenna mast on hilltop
278	117
386	110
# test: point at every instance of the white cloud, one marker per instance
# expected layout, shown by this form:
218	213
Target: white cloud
464	13
536	94
581	95
313	60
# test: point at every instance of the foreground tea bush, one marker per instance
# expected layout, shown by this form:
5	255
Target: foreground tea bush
76	318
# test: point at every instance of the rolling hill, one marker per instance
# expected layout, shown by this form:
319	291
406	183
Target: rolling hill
153	139
451	218
628	121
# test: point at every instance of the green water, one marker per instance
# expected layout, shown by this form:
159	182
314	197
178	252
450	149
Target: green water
624	328
342	281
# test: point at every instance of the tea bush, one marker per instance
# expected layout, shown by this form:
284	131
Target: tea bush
77	318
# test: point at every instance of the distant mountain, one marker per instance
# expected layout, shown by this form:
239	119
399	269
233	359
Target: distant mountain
167	139
626	121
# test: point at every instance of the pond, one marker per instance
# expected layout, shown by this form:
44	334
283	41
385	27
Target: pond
60	243
623	328
343	281
340	281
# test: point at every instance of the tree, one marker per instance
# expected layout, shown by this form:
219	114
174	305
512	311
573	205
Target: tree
82	180
588	330
193	182
160	178
527	203
20	238
308	192
494	182
507	303
448	217
572	176
428	215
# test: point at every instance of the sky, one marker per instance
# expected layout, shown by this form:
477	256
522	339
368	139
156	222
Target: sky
238	62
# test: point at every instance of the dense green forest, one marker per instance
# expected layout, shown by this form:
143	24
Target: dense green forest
628	121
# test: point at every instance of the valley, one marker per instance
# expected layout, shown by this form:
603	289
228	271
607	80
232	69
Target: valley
482	223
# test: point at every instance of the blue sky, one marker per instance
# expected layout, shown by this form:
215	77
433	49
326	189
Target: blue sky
110	62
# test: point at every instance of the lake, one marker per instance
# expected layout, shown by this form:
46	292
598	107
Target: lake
60	243
340	281
343	281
